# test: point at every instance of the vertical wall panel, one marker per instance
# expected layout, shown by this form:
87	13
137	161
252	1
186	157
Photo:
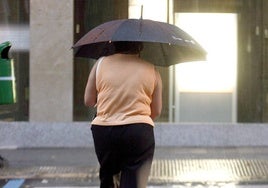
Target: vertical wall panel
51	60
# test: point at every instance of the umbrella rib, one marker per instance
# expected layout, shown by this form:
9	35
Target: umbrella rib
163	30
140	28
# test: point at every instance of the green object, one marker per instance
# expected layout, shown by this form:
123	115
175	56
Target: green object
7	78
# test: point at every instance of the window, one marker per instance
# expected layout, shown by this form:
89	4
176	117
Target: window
206	91
14	27
87	15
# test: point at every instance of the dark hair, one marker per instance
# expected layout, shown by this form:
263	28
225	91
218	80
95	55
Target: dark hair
128	47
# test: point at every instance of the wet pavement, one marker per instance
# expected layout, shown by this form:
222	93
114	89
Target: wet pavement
243	167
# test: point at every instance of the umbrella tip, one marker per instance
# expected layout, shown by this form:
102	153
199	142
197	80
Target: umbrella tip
141	12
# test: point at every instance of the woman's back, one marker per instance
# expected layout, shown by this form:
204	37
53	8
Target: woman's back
125	84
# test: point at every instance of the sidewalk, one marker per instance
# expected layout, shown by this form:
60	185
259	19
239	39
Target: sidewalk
171	166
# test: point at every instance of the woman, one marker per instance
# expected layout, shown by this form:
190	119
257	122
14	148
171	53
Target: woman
127	92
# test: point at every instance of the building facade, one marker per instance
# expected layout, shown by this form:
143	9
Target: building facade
50	80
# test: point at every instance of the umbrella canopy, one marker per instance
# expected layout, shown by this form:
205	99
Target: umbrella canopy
164	44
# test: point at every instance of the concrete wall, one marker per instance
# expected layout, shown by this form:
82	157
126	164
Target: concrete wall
55	135
51	60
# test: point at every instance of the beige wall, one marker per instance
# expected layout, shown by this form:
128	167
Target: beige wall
51	60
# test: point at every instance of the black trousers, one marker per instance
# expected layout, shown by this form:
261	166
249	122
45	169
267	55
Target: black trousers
124	149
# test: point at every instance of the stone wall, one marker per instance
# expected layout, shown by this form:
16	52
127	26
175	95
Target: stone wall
57	135
51	61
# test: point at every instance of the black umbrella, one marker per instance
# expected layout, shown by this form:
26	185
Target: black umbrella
164	44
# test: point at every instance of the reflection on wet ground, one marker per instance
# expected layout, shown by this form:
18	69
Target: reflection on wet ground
209	171
173	173
171	168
